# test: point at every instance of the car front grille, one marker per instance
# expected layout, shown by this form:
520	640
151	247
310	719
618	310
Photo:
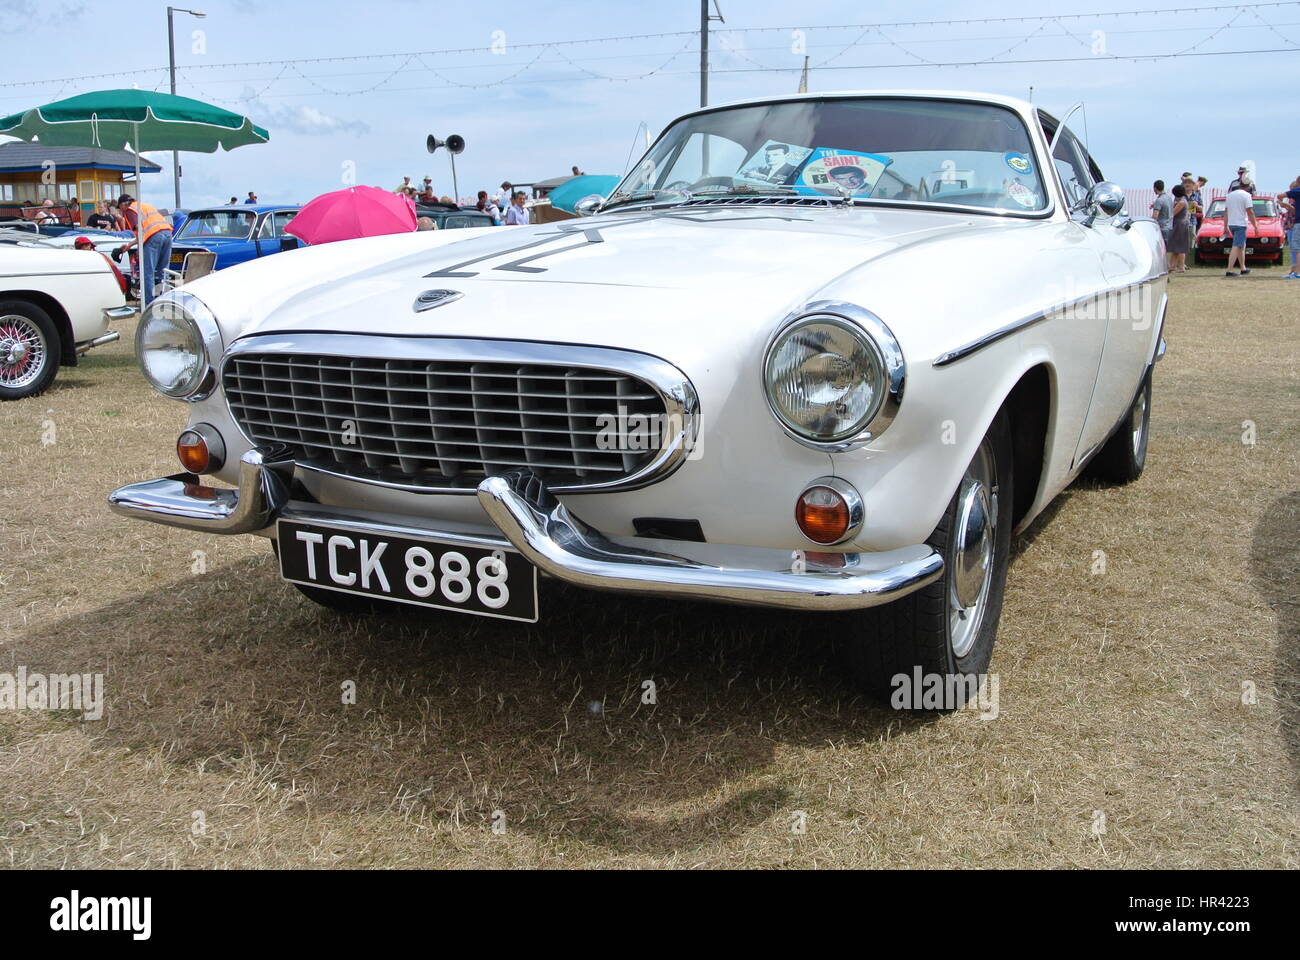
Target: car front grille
443	423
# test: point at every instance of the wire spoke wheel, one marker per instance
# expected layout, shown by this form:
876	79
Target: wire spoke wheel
23	351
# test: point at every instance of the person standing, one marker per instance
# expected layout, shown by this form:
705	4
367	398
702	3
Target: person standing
102	218
1179	236
487	206
517	215
156	234
252	197
1240	210
1291	196
1162	209
502	198
1198	206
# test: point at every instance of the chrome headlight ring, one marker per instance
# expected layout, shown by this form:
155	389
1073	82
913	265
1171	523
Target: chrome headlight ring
206	336
877	337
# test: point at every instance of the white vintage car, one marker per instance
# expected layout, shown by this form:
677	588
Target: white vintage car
821	353
55	305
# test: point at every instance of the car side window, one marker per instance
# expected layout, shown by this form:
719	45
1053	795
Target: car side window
1068	158
267	230
282	218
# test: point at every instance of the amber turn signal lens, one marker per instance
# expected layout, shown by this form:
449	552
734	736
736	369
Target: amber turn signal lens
192	450
822	515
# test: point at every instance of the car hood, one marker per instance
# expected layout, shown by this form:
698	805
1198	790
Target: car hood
630	279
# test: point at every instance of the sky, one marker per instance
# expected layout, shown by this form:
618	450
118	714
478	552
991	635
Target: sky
529	111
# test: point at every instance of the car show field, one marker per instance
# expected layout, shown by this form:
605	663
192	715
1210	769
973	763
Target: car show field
1144	712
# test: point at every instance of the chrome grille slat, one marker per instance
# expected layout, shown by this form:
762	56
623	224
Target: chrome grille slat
439	422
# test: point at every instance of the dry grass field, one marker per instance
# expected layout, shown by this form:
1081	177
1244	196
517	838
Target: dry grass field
225	742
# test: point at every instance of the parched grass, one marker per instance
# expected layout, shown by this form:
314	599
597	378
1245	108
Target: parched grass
226	741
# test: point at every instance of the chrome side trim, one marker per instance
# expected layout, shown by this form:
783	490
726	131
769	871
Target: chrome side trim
540	528
890	355
966	349
681	404
181	501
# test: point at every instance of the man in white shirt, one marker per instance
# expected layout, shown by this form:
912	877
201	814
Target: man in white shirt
517	215
1240	210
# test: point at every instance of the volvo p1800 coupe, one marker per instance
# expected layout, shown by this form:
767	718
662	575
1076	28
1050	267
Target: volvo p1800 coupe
821	353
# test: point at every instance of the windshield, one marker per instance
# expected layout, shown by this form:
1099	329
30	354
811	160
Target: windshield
919	151
1263	208
217	223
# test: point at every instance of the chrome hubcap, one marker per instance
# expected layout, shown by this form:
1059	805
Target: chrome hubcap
22	351
971	548
1138	422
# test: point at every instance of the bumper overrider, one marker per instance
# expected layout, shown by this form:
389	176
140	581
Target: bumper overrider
540	528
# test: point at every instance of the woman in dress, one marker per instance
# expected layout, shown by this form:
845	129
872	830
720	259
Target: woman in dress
1178	234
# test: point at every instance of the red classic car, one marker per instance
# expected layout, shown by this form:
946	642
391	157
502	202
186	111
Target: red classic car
1263	243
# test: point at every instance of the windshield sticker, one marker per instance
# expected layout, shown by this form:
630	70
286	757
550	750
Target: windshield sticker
1018	162
1022	195
774	162
831	168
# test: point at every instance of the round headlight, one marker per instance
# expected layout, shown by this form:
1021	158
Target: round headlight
171	344
826	378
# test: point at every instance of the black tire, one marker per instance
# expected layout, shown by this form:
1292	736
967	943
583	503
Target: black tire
347	603
27	328
1123	457
918	630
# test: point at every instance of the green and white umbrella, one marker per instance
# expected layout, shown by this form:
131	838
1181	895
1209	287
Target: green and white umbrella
140	119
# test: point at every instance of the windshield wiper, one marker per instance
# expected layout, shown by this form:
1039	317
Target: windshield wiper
742	189
644	196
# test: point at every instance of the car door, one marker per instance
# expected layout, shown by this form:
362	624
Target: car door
1118	311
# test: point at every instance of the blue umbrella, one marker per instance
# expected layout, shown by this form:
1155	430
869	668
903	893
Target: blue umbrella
567	194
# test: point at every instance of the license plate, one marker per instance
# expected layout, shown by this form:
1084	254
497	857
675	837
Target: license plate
422	571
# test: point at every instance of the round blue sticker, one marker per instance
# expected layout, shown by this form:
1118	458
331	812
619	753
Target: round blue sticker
1018	162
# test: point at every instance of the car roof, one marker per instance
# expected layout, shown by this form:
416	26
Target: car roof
1015	103
247	207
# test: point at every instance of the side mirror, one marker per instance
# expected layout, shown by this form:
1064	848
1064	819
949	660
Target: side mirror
589	205
1105	199
288	243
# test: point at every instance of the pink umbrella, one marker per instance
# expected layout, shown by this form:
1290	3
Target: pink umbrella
351	213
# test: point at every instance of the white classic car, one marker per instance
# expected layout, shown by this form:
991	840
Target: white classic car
55	305
820	353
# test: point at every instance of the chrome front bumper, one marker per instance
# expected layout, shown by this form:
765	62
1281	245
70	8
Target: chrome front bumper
539	527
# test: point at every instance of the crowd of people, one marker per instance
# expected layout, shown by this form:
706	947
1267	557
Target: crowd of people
1180	212
507	206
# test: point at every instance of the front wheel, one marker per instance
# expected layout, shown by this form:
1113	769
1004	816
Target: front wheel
945	631
1123	457
29	350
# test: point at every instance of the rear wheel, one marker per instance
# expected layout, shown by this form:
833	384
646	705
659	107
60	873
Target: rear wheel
946	629
1123	457
29	350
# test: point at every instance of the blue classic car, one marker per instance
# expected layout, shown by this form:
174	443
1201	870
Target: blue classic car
235	233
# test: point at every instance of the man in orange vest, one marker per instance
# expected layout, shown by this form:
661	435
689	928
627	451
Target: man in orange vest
156	233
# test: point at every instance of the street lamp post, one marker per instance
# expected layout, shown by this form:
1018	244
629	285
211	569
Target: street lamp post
171	60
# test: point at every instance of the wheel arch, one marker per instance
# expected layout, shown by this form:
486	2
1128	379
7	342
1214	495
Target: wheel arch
1029	408
67	351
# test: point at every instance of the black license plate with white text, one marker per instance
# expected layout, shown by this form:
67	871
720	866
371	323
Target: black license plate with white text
487	582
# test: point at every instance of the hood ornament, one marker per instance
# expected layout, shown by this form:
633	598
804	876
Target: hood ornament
435	298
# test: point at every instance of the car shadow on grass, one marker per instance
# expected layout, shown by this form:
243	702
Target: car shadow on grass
1275	567
636	725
